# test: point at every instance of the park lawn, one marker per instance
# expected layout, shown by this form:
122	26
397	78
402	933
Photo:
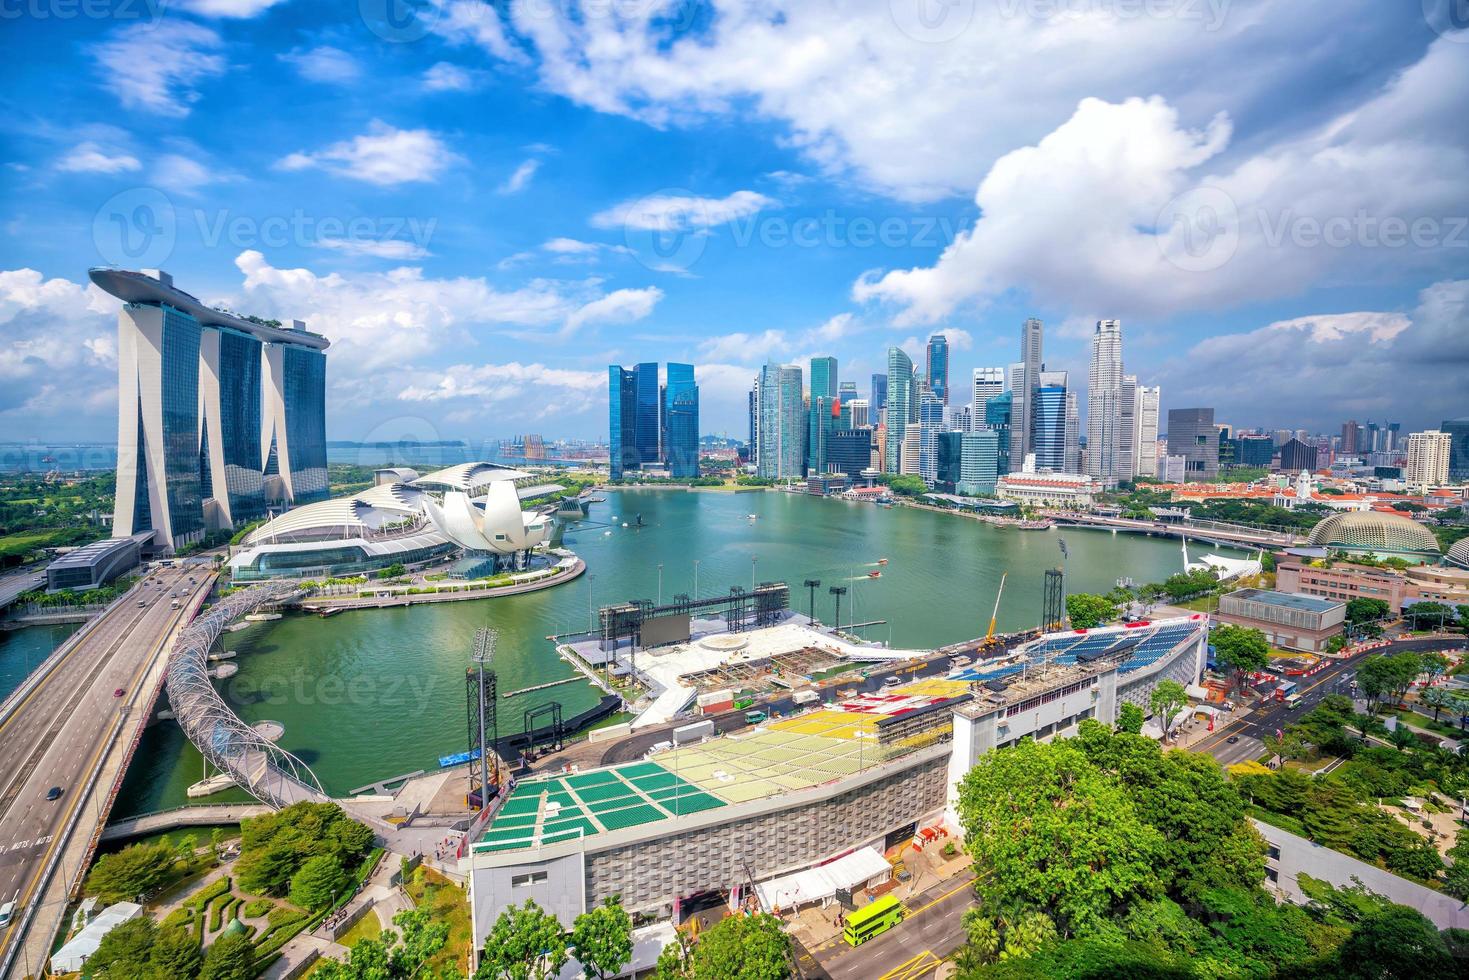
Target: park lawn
24	542
445	902
367	927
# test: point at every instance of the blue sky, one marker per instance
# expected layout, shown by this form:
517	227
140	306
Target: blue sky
484	205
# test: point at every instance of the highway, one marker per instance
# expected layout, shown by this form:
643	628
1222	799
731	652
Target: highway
61	734
11	586
932	930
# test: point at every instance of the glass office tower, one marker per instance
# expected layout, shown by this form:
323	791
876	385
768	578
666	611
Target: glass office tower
938	367
647	424
901	404
1049	420
823	377
997	415
622	399
681	414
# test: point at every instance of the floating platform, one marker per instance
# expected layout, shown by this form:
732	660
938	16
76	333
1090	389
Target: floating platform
208	787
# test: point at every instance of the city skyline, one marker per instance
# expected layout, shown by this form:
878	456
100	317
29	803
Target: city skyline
502	256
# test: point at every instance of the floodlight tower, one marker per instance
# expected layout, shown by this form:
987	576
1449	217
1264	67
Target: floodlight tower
838	591
480	695
813	584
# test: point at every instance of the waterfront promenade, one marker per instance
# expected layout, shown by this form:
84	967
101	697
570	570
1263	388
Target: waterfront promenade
388	598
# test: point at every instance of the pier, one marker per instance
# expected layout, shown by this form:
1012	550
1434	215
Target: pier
542	687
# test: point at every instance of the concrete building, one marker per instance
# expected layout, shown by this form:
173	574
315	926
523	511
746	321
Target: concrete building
1067	491
1148	401
699	822
782	420
1193	435
902	406
1025	377
1428	458
94	565
1104	442
1288	620
1344	581
219	415
1367	532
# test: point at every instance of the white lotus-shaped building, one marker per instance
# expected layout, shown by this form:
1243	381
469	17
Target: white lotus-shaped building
471	510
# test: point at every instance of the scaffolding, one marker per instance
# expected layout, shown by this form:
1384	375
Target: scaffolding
481	697
1053	614
741	610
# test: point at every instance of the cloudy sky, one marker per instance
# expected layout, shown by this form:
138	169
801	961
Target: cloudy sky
484	205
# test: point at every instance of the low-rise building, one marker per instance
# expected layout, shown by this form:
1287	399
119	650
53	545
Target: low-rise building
1345	581
1288	619
1070	491
94	565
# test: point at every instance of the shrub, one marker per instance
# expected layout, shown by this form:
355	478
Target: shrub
220	887
258	907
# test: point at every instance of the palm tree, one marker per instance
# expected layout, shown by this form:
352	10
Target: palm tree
1402	737
1438	699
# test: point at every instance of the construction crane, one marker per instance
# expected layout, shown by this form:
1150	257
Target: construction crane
989	637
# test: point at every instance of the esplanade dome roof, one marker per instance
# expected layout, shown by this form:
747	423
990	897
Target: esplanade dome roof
1459	553
1366	531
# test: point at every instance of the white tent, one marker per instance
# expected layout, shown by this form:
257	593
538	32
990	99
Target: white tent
69	958
815	884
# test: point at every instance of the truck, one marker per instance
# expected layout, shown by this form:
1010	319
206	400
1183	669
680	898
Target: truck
806	696
693	733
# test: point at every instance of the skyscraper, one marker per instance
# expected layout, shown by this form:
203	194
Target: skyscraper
1128	435
822	419
998	412
846	391
988	383
1428	458
931	425
1104	403
622	421
782	443
879	398
681	421
218	415
1193	435
1458	430
857	413
1073	433
1048	442
1148	400
1026	376
979	463
938	367
902	406
823	377
649	421
1350	431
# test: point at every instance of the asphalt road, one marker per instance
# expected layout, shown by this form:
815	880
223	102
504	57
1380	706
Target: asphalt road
932	930
56	736
1251	727
13	585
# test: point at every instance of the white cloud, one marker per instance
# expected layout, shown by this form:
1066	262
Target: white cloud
89	158
510	384
187	173
620	306
680	212
1159	235
158	66
862	87
326	64
570	246
232	9
389	248
383	155
60	354
753	348
446	77
474	23
1321	369
521	178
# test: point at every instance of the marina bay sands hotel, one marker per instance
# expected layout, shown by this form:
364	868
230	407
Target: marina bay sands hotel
220	416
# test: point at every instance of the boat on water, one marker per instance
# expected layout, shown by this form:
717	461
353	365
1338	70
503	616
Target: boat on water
874	574
882	561
752	516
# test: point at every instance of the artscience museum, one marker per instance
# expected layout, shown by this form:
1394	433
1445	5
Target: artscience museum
467	515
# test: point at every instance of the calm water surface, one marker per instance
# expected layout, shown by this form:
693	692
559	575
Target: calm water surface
370	694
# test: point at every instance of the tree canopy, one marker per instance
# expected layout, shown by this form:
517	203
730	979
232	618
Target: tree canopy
1086	610
274	847
602	939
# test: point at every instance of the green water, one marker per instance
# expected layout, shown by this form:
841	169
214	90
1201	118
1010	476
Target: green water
22	650
371	694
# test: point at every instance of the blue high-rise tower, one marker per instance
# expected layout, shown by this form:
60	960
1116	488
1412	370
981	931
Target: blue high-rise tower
681	417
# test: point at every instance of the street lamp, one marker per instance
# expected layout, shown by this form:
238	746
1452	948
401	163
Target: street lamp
838	591
753	560
696	580
660	583
813	584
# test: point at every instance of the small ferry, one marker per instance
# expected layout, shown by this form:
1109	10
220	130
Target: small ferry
882	561
874	574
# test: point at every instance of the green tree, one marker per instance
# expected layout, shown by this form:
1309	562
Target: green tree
602	938
393	955
1086	610
133	871
1167	700
230	957
1240	650
124	951
743	947
525	942
1388	676
1457	877
1049	831
1130	718
176	953
1362	610
216	838
1429	615
318	882
1395	942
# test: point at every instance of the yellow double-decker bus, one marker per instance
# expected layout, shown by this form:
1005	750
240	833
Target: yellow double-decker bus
872	919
